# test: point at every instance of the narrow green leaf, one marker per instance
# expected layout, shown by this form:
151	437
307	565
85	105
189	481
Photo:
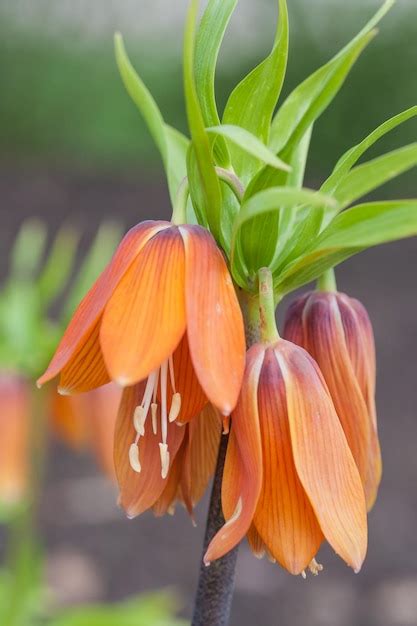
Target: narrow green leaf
171	144
350	232
370	224
251	227
207	181
299	161
252	103
250	144
208	41
28	249
368	176
59	264
304	105
350	158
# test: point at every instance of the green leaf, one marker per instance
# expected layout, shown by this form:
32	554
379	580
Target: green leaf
59	264
250	228
350	232
28	249
203	181
252	103
299	160
249	143
306	103
208	41
348	160
171	144
364	178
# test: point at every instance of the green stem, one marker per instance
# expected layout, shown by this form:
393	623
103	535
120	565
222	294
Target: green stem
269	331
327	281
179	213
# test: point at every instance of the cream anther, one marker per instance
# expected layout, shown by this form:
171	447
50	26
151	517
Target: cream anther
134	458
175	409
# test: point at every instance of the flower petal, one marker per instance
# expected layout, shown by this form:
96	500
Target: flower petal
324	462
242	477
139	492
86	369
361	346
144	319
214	320
193	398
201	453
325	341
91	307
284	517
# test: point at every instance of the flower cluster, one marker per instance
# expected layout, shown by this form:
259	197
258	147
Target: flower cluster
183	317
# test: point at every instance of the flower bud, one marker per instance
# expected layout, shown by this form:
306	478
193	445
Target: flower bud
337	332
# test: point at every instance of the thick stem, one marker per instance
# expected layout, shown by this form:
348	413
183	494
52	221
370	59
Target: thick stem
216	582
327	281
269	331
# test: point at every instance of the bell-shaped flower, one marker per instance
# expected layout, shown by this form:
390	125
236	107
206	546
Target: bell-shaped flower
164	311
290	479
335	329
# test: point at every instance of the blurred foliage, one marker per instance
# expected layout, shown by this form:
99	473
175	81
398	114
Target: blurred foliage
38	278
63	99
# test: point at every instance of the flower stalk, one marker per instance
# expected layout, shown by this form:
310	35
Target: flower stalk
269	332
216	582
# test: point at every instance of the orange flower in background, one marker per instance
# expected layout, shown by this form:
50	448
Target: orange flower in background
337	332
290	479
165	311
86	421
15	432
194	449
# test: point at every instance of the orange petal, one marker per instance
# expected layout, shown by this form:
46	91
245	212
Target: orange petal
242	477
361	346
91	307
324	462
193	398
284	517
15	419
214	320
67	420
139	492
256	543
166	501
86	369
201	453
144	319
325	341
104	405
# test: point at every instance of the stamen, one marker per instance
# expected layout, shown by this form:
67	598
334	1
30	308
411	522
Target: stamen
163	450
303	574
164	417
134	458
139	418
175	409
171	373
154	412
315	567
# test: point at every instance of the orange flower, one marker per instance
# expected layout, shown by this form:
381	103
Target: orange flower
193	451
289	479
337	332
15	426
164	310
87	421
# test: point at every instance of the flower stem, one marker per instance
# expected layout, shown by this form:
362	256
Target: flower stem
327	281
269	331
216	582
179	213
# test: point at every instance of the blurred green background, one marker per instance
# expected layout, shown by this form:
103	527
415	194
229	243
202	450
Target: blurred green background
74	149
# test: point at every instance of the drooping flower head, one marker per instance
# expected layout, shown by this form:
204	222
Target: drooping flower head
335	329
164	311
290	479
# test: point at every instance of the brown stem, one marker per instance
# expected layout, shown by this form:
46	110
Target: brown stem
216	582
